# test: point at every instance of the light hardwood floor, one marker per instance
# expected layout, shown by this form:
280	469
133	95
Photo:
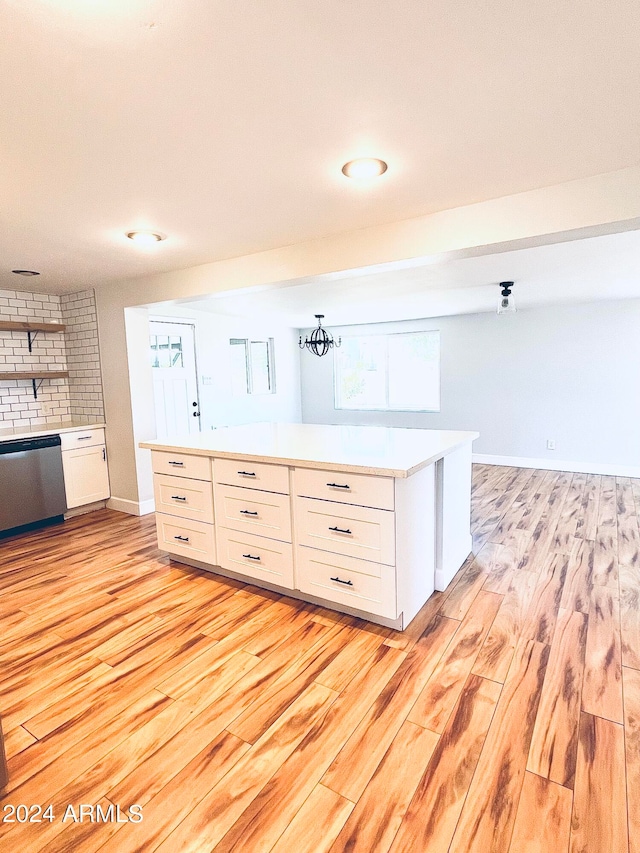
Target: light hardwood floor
506	718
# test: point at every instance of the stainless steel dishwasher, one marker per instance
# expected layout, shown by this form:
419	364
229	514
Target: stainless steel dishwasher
31	483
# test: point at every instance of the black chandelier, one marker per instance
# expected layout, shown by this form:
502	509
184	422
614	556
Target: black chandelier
319	341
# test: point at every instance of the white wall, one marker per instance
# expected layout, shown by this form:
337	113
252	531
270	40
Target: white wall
218	405
602	204
569	373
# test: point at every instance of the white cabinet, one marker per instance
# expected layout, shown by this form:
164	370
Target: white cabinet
256	556
355	531
252	475
370	587
253	516
262	513
183	497
182	465
90	437
372	540
184	506
86	478
186	538
359	489
347	541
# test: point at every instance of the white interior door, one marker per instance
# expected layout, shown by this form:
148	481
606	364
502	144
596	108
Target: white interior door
175	380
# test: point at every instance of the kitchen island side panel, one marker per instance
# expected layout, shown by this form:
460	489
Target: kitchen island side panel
416	516
453	521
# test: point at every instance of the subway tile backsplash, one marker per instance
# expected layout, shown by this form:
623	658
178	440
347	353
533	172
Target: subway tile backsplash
76	350
83	356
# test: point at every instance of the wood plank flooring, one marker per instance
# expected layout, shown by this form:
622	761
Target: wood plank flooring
506	719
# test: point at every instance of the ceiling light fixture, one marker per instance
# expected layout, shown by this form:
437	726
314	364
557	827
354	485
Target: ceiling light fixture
25	272
506	305
319	342
364	168
146	238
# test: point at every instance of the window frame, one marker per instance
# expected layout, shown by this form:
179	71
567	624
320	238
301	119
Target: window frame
336	357
156	351
248	361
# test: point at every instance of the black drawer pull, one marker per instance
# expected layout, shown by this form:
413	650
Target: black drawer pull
177	498
84	438
182	538
250	557
247	512
339	530
339	580
337	486
247	473
179	464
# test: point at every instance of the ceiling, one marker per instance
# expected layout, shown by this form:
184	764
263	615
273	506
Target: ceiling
605	267
225	124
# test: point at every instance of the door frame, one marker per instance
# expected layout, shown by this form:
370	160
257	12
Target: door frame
184	321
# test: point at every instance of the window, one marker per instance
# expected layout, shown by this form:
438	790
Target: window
252	367
166	351
389	372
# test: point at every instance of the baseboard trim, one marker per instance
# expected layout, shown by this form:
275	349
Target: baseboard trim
132	507
82	510
559	465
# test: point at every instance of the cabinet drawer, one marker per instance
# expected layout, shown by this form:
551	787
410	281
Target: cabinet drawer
355	531
356	583
360	489
187	538
183	497
256	557
252	475
181	464
81	438
263	513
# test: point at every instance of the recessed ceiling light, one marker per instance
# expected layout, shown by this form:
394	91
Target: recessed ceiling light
146	238
365	167
25	272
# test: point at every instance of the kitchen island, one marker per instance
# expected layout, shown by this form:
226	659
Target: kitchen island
365	520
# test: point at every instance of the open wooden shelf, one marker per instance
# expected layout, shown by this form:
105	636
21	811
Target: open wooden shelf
35	374
30	326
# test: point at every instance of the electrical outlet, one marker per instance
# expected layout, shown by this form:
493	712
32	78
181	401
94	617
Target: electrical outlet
551	444
47	409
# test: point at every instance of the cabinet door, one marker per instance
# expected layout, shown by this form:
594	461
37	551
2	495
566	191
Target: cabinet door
86	478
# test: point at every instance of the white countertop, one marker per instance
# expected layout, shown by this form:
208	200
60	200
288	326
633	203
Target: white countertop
16	433
358	449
